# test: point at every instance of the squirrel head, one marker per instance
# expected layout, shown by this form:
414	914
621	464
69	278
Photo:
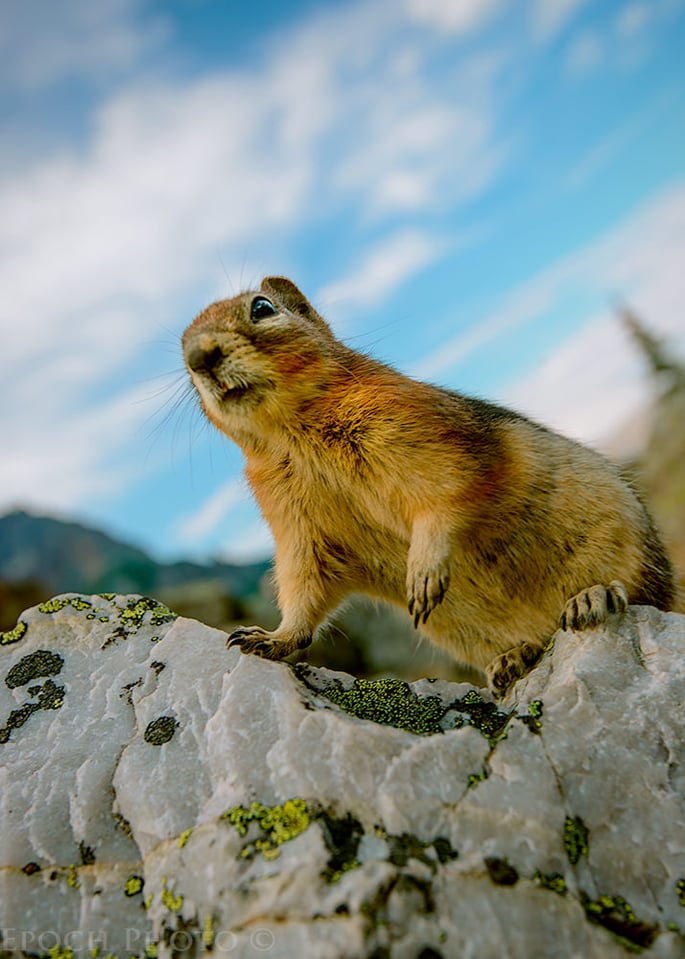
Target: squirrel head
259	356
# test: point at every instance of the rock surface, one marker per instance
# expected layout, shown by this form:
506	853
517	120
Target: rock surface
162	796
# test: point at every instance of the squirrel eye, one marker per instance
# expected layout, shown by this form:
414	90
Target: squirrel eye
261	307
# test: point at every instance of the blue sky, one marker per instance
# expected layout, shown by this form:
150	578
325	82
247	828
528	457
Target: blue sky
464	188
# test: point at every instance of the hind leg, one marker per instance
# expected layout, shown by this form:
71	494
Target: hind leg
593	606
506	668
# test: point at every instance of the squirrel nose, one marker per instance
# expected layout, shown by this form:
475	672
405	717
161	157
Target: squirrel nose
198	358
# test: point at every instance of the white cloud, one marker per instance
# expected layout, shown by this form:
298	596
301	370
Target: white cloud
588	385
632	19
212	512
71	455
254	544
453	16
585	53
520	308
383	269
42	43
551	16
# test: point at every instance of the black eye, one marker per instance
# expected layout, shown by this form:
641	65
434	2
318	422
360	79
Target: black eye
261	307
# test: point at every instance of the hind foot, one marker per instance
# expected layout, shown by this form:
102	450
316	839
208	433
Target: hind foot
593	606
506	668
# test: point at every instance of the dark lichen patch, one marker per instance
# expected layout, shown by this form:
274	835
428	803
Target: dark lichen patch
389	702
483	715
86	853
500	871
617	915
123	824
404	847
30	869
14	635
576	839
160	730
342	836
35	665
429	953
444	850
553	881
278	824
61	602
50	696
407	883
533	719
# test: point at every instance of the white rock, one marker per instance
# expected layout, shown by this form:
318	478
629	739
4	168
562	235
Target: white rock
132	746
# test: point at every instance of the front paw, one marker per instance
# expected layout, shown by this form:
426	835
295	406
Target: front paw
269	645
593	606
425	590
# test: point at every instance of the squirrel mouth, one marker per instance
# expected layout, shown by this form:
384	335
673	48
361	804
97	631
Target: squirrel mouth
229	394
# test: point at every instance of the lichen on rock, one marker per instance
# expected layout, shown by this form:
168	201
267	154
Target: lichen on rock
162	796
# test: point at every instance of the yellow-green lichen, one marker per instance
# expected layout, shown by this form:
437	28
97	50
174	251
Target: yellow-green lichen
390	702
14	635
172	903
279	824
152	951
576	839
57	952
61	602
553	881
680	889
134	613
133	885
473	710
184	837
533	719
476	778
72	877
208	932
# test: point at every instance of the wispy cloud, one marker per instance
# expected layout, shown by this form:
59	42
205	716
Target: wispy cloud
632	19
453	16
212	512
588	384
384	268
585	53
550	16
44	43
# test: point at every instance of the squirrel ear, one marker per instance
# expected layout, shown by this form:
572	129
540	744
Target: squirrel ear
289	296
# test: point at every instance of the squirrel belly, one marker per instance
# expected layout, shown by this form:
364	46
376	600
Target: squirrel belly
486	527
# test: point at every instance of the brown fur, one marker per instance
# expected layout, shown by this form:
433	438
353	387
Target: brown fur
485	525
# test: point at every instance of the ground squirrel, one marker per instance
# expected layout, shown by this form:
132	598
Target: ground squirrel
490	529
